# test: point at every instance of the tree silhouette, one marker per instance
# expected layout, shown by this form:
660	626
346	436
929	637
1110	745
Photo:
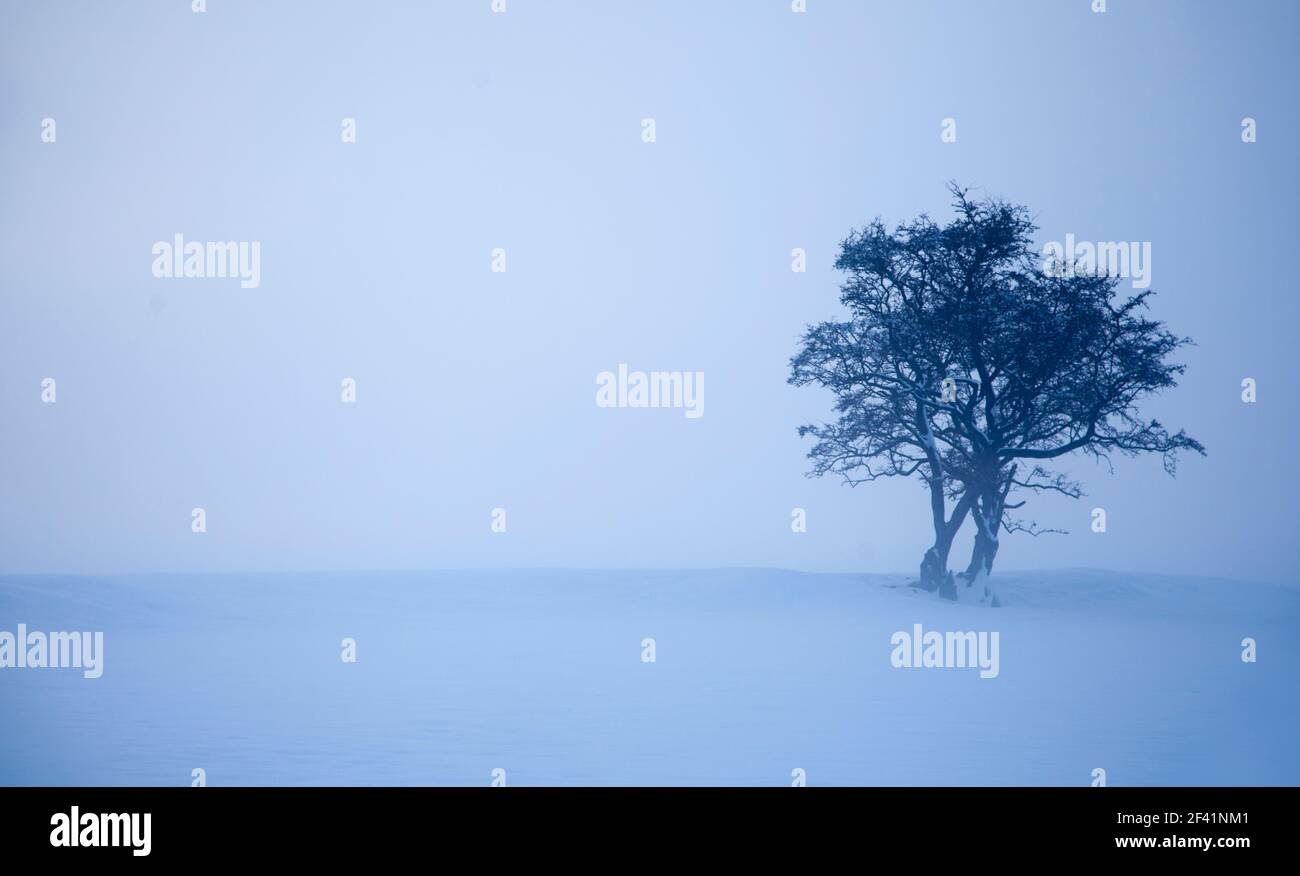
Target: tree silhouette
968	363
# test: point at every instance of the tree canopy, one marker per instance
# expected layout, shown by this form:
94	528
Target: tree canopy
964	361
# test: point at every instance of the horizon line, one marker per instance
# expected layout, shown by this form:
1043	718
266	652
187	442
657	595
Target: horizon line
616	569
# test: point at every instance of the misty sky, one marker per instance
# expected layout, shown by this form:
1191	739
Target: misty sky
522	131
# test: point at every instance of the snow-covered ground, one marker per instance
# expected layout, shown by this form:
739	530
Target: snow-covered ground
757	673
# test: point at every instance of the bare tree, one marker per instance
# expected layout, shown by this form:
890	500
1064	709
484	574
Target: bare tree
967	364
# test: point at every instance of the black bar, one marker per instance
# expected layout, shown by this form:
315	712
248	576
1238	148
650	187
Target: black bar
332	824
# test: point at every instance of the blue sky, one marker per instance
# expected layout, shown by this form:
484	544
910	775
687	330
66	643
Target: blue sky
522	131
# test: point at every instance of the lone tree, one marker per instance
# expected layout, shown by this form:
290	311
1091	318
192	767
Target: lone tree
967	362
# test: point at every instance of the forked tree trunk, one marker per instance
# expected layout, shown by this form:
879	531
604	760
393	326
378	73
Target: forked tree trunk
934	564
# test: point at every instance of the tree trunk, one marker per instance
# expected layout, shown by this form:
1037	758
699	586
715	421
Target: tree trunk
934	565
978	561
935	574
929	571
986	550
